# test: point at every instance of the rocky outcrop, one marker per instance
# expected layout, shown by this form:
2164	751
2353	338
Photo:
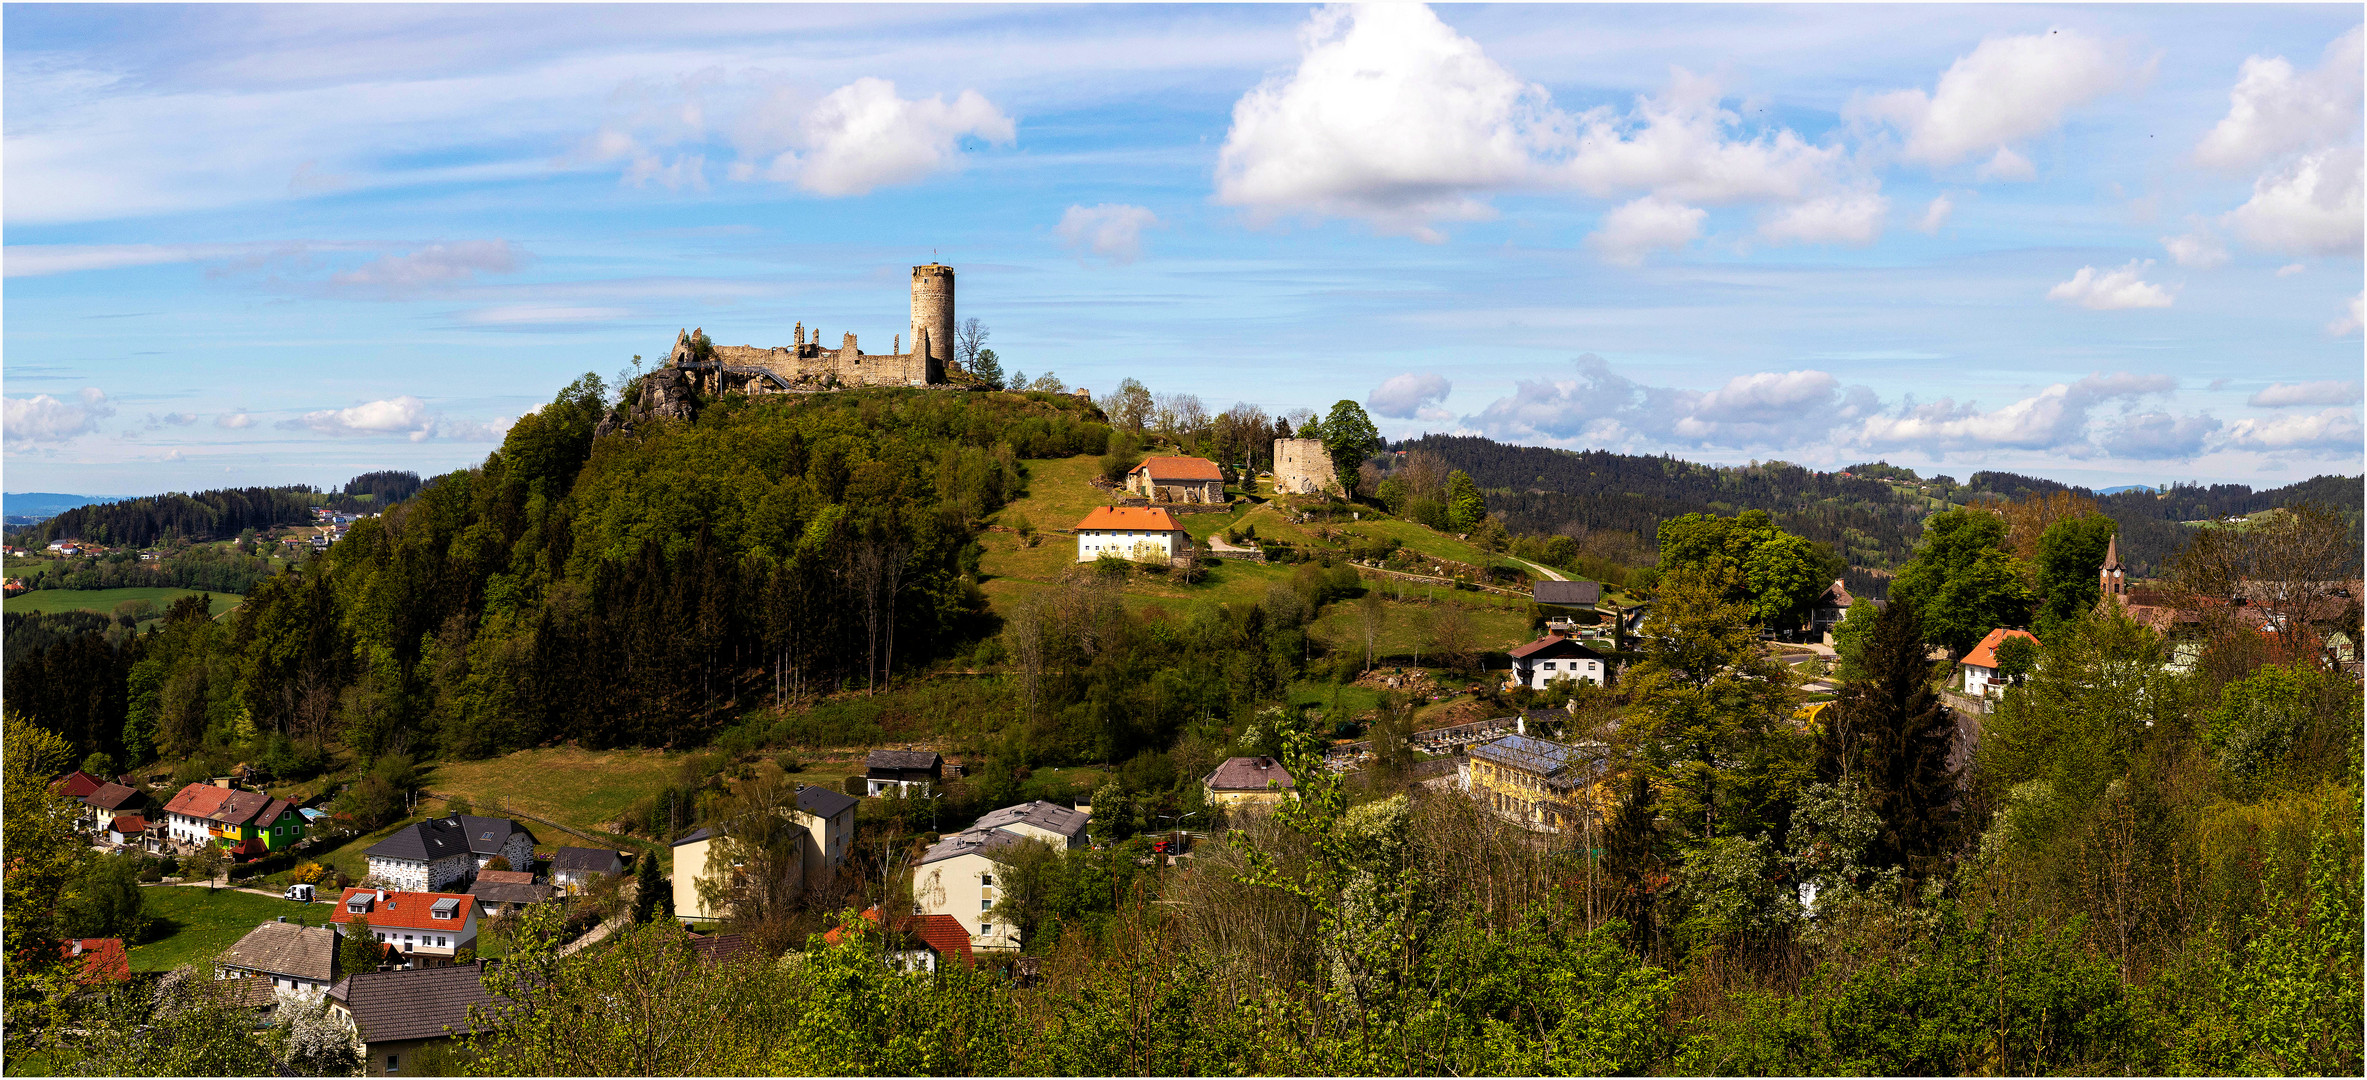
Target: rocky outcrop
667	392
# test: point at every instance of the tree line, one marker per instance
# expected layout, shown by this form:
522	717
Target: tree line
218	514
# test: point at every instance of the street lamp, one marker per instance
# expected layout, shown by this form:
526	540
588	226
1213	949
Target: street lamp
1178	820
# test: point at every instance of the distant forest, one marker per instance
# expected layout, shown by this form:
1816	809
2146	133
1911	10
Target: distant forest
1873	524
220	514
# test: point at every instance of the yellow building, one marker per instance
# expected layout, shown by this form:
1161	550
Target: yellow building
1247	782
1538	784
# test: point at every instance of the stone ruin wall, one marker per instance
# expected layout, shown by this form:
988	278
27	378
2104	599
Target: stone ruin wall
807	365
1303	467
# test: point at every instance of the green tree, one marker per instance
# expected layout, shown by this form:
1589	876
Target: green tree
98	764
359	950
1350	436
2070	558
2016	655
645	888
106	900
185	1026
1466	507
988	369
43	856
1889	735
1777	574
1963	581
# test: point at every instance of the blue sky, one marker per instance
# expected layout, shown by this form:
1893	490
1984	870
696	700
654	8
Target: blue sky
2106	244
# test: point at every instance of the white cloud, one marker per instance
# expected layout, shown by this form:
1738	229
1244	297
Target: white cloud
172	419
45	419
862	136
1410	396
2331	430
431	266
2290	269
2006	90
2112	290
1643	226
1393	118
2274	110
2157	435
235	421
540	314
1602	408
2055	418
2198	250
406	416
2310	207
2006	165
1854	219
1935	216
2352	319
2285	395
39	260
1110	230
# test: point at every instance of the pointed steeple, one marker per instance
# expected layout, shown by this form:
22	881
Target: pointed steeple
2112	553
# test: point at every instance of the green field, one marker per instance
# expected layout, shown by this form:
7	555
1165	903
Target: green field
194	923
582	789
103	601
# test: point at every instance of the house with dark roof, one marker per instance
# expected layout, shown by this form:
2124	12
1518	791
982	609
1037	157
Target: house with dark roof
828	818
441	851
1177	480
1830	609
1247	782
1568	604
573	869
1537	783
500	892
902	770
1556	656
956	875
295	961
109	801
397	1014
426	928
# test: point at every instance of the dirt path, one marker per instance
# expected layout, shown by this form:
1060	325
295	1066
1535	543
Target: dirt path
233	888
1550	575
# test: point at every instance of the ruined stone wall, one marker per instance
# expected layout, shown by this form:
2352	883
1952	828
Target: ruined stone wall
1303	467
807	365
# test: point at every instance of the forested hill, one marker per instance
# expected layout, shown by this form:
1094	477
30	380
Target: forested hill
1874	522
221	513
1539	489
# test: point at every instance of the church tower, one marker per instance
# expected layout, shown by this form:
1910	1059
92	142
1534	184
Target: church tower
2112	579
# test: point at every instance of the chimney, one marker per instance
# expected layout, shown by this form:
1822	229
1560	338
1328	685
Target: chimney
77	946
382	896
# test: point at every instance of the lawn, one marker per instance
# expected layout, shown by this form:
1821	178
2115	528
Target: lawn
583	789
195	923
103	601
1493	629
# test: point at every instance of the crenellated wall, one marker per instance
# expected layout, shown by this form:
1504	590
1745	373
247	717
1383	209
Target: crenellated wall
807	365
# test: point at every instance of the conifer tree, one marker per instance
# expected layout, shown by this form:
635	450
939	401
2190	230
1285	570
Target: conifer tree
645	889
1889	734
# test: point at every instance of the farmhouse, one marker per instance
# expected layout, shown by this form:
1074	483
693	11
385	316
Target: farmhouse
1177	480
1140	533
1980	665
297	961
1556	656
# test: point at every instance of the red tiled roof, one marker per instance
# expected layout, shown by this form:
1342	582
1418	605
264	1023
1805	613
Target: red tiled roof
1130	519
407	910
77	784
1180	468
942	934
129	824
198	800
103	960
1985	653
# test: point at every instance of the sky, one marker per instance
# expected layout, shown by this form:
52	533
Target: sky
2103	244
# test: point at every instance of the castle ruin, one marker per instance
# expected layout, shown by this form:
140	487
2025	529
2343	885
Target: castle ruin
1303	467
807	366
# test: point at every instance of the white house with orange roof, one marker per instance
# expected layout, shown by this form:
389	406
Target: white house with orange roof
1140	533
1980	665
428	928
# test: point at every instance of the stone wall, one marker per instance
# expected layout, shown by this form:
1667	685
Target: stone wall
1303	467
808	365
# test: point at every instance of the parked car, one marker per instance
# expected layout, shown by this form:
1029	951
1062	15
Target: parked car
300	893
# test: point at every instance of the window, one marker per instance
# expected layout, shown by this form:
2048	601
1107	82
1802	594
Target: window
986	905
986	880
394	1062
985	928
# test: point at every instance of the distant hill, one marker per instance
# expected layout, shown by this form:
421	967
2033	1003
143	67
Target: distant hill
1873	517
2147	488
47	503
219	514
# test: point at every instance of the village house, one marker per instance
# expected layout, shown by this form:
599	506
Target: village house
500	892
440	851
956	875
128	830
1177	480
395	1015
1537	784
427	928
574	869
1980	665
1247	783
1568	605
828	818
1556	656
110	801
297	961
247	824
917	942
1829	610
903	770
1139	533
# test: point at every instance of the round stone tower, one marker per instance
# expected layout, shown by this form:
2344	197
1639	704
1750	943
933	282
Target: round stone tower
932	317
